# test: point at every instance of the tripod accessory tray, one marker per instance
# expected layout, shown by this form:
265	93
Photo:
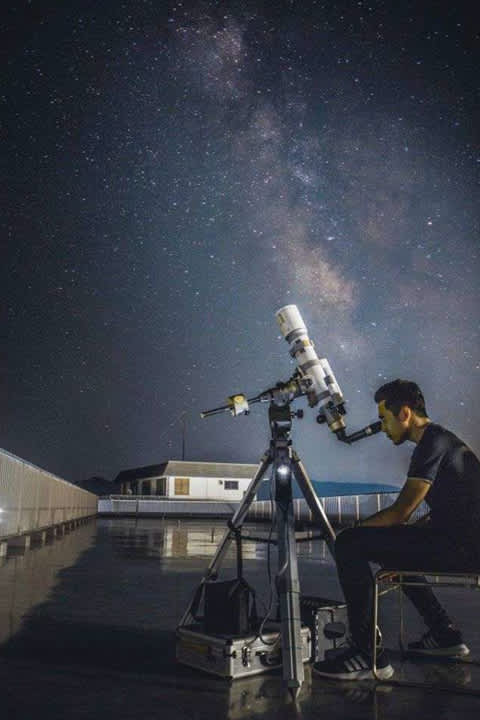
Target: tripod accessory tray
234	657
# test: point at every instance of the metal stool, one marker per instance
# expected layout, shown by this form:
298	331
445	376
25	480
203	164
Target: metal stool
395	579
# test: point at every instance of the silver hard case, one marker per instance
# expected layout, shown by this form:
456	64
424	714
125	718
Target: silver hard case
234	657
318	614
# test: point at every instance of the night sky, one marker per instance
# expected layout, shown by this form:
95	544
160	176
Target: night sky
175	172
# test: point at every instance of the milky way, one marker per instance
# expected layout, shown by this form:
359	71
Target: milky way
175	174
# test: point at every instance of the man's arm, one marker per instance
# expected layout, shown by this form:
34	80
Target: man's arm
410	497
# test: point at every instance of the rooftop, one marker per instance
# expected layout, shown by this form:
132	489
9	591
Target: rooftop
87	631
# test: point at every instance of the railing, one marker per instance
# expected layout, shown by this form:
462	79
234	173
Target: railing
32	499
341	509
169	507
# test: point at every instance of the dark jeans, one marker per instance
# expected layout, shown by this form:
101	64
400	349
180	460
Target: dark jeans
402	547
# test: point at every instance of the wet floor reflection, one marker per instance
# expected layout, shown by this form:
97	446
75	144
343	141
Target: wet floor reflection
180	539
106	599
123	582
27	577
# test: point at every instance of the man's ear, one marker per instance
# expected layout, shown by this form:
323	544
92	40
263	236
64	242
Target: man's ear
405	413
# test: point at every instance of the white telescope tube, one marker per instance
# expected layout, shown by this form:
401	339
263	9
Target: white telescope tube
330	379
302	349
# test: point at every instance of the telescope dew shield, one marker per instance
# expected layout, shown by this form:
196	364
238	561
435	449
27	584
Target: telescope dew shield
291	323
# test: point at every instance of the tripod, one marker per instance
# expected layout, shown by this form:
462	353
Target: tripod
286	465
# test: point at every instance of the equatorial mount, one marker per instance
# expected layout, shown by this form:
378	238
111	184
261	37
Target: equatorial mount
284	393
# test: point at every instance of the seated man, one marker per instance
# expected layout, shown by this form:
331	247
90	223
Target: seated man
446	474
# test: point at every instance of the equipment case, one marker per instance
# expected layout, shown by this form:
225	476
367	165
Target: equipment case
328	623
234	657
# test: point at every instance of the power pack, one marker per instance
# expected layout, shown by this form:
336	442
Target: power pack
327	621
234	657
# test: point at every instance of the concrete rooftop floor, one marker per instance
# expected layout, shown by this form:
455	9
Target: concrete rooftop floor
87	627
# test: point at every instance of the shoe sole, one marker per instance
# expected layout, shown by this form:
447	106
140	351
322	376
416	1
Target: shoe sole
454	651
382	674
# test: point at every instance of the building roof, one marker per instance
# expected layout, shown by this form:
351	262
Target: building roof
183	468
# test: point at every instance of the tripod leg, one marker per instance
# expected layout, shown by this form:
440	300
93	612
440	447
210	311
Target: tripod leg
313	502
288	588
233	524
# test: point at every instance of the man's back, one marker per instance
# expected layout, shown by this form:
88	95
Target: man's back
453	470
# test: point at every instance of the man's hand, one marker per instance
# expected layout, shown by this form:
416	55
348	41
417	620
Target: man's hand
423	521
410	497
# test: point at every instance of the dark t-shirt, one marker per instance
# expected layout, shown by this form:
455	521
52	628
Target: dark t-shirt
453	470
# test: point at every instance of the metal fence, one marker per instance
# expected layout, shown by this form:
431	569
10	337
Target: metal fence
169	507
33	499
341	510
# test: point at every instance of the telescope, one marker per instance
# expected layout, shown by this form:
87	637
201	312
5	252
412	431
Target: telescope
313	378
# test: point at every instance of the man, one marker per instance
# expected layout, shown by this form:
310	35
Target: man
446	474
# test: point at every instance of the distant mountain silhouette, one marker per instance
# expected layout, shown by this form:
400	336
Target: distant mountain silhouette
98	485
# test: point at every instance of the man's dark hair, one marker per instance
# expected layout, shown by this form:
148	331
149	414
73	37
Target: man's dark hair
402	392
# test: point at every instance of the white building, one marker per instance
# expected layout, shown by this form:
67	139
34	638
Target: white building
182	480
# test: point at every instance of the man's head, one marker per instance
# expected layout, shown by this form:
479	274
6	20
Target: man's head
401	408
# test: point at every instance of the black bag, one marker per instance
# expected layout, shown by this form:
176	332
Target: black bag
228	610
230	606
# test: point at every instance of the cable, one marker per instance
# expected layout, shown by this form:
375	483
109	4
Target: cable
259	633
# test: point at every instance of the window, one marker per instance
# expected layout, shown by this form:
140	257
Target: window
231	485
146	487
161	486
182	486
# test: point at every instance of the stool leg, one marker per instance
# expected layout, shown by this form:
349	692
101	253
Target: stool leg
401	635
374	627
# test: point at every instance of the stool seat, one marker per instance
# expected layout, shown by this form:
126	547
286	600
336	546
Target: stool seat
466	577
